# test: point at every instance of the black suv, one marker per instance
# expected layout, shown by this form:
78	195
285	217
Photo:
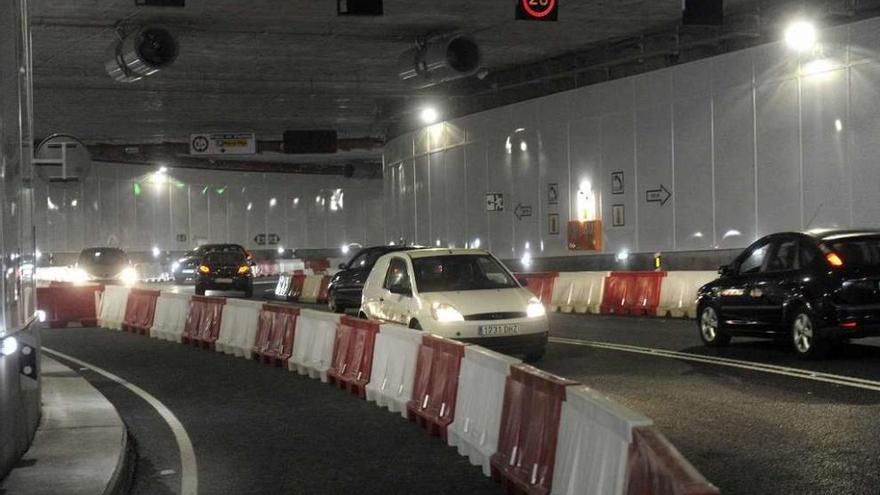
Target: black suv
347	285
184	269
814	288
225	270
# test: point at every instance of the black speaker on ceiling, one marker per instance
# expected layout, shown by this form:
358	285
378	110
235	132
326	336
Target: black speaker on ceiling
299	142
703	12
359	7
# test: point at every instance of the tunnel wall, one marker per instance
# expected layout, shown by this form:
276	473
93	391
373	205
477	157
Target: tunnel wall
19	394
126	206
747	143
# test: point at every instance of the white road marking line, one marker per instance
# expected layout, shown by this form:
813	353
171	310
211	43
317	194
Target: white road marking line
847	381
188	471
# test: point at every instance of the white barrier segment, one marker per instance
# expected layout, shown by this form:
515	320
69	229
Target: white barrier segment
678	292
170	317
113	307
311	288
580	292
282	287
290	266
238	327
313	343
478	404
394	367
595	434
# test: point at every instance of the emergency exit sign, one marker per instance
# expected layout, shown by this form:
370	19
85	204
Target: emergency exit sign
537	10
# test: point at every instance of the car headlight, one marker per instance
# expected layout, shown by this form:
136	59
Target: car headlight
129	276
445	313
79	276
8	346
535	309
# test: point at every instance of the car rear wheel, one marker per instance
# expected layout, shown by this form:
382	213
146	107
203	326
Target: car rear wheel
807	342
711	332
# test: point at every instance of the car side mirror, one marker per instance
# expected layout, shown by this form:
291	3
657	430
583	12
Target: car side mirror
342	266
401	291
523	282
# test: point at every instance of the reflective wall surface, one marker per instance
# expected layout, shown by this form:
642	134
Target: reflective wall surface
136	208
19	395
708	155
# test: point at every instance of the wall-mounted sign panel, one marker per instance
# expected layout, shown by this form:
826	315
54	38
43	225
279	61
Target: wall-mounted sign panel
223	143
494	202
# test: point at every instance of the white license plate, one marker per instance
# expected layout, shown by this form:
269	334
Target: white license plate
186	270
488	330
223	280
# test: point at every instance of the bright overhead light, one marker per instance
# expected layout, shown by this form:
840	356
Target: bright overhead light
345	249
163	169
429	115
156	251
838	125
8	346
523	146
623	255
273	202
74	202
800	36
280	249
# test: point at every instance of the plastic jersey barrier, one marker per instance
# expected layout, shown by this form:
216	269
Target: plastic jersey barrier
282	287
64	304
540	284
634	293
580	292
172	310
435	388
353	354
394	367
276	330
313	287
657	468
678	293
478	404
238	327
529	430
595	436
313	344
289	266
140	309
203	321
113	305
294	287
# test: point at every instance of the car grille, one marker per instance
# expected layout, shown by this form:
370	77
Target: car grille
503	315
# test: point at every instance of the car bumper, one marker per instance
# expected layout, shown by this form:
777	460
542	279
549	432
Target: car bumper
530	338
530	343
237	283
854	322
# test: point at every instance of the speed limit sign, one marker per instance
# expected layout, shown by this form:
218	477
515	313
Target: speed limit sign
537	10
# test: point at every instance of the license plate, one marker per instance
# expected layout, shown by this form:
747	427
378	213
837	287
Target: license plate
223	280
488	330
186	270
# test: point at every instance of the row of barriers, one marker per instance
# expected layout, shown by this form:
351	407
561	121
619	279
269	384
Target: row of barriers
671	293
302	287
534	432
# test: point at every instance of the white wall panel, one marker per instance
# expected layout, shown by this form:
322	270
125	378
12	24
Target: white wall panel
863	128
525	205
693	188
455	196
476	186
422	196
438	201
406	201
618	155
553	159
499	170
654	158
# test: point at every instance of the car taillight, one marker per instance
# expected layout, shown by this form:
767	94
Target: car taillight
833	259
244	269
849	325
204	269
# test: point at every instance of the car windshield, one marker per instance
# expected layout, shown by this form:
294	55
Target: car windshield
857	252
102	256
224	258
460	272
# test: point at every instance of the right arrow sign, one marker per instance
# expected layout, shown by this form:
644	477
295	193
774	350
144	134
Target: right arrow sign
660	195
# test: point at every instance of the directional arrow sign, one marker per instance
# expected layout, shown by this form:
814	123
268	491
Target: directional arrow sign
522	211
661	195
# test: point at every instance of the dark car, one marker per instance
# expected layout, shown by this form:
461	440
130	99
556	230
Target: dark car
225	270
184	269
105	264
347	285
814	288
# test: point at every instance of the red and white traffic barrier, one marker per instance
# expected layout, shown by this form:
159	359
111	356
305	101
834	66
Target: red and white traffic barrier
678	293
632	293
238	327
140	308
170	317
540	284
394	367
315	289
313	344
352	363
64	304
276	329
203	321
579	292
435	389
113	304
478	404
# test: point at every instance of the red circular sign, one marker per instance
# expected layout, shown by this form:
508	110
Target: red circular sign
529	7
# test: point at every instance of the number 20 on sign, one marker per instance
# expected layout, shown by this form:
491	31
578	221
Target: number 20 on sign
537	10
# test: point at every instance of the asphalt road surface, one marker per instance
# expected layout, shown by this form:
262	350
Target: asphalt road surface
752	417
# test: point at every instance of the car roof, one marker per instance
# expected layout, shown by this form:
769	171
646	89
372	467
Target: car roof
432	252
386	249
832	234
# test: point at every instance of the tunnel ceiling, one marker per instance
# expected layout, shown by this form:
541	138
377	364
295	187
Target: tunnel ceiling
266	66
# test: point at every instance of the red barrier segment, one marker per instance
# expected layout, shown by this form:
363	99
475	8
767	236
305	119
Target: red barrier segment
656	467
297	281
140	309
353	354
323	293
529	430
436	384
203	321
66	303
276	330
540	284
633	293
317	265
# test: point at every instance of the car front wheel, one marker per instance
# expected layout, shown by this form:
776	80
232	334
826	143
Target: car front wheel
807	342
711	332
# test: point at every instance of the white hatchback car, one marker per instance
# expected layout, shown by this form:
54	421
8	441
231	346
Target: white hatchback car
463	294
